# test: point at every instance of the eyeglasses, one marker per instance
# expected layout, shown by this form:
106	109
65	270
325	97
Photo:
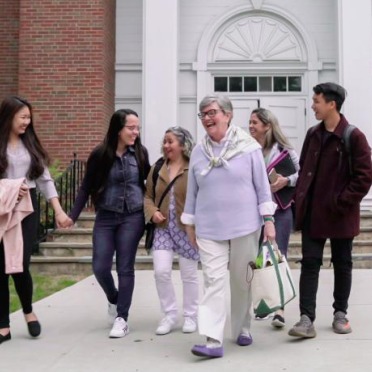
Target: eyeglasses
133	128
210	113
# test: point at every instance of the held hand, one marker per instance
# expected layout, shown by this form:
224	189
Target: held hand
23	190
269	231
190	231
157	217
63	220
279	183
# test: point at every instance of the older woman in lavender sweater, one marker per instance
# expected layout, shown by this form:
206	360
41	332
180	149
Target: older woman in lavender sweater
228	200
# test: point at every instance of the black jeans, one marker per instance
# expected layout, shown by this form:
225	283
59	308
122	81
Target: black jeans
312	259
22	281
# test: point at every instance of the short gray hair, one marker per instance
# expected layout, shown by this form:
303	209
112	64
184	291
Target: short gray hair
185	139
222	101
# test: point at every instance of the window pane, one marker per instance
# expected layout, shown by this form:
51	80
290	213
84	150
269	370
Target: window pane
236	84
250	84
220	84
280	84
294	84
265	84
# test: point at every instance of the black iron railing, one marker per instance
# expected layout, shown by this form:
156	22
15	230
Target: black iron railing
67	185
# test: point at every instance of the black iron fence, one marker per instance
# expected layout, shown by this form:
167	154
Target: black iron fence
67	185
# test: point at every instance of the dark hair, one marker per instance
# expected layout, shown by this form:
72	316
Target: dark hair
331	92
107	151
10	106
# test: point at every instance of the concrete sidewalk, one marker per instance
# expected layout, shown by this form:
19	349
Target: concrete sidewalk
75	336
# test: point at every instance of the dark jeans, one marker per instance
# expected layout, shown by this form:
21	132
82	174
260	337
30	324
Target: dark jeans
312	259
117	233
22	281
283	228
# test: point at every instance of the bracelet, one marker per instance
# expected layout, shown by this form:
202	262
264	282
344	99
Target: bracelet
269	219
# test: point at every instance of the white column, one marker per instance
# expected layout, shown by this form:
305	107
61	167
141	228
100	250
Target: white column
160	71
355	61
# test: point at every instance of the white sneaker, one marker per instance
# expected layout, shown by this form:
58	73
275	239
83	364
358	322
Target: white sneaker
165	326
112	313
119	329
189	326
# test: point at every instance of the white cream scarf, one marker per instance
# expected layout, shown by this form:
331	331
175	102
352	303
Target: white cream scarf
237	142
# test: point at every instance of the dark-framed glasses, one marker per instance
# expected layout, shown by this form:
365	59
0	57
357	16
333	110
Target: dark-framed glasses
211	113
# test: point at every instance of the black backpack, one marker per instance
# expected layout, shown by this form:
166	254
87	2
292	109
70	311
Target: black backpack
345	140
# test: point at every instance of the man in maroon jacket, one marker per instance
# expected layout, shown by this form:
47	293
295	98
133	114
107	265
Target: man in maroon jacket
328	195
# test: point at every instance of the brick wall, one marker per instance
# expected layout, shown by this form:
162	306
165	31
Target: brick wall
66	70
9	17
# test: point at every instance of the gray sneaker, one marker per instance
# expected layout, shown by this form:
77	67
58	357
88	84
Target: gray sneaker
340	323
304	328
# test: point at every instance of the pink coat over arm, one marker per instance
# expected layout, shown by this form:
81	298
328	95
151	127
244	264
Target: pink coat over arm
12	213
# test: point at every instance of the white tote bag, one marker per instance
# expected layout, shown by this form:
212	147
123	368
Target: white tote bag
272	285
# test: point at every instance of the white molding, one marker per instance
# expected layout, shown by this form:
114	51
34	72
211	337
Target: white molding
214	30
128	66
128	99
188	99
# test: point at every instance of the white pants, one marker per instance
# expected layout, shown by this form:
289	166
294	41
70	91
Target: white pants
215	257
163	260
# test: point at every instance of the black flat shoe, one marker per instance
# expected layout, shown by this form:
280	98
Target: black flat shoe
34	328
5	338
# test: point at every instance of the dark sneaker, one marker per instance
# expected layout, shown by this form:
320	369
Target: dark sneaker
304	328
278	321
340	323
262	317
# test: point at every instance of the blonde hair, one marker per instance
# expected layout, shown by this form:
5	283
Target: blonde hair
274	134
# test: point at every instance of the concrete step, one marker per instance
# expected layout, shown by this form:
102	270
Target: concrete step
71	250
77	249
86	220
76	234
366	218
65	249
83	265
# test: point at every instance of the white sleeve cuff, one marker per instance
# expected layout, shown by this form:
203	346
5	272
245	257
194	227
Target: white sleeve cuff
188	219
267	208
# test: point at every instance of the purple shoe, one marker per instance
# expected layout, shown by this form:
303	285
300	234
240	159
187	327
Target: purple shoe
210	352
244	340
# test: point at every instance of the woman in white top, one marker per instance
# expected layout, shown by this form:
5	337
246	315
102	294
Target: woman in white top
22	156
264	127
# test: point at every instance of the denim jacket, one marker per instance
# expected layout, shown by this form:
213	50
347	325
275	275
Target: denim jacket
123	190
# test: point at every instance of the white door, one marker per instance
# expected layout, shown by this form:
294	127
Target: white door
289	111
292	118
242	111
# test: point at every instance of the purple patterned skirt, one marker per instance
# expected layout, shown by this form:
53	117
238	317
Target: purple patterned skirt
172	237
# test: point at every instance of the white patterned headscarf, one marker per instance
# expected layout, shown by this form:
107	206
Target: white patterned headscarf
237	141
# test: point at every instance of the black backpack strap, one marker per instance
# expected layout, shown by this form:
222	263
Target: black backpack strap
346	142
155	174
167	189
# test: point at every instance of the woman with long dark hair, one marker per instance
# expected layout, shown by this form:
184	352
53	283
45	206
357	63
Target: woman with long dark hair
23	156
115	179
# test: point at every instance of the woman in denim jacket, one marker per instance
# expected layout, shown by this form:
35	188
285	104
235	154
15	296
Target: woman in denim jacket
115	179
